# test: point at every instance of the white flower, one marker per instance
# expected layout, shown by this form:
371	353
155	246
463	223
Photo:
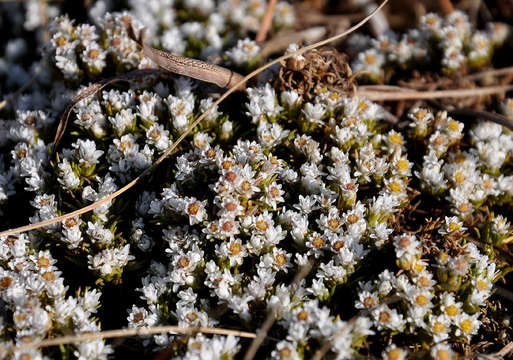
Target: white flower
172	40
290	98
181	110
86	152
270	134
158	136
122	121
314	113
245	51
66	176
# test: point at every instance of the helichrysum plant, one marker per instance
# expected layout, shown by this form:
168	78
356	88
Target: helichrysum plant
284	175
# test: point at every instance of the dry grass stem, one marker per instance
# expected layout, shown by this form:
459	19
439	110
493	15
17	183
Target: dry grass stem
267	21
425	95
493	72
171	149
506	350
446	6
119	333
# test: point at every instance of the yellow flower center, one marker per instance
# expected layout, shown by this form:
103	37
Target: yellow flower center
395	354
193	208
421	300
262	225
395	186
453	125
333	223
352	218
438	327
466	326
43	262
452	310
395	139
384	316
402	165
280	259
369	302
235	248
302	315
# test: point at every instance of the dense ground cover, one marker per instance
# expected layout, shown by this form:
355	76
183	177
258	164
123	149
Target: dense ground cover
363	228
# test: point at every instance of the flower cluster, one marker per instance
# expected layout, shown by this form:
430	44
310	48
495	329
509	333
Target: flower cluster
272	182
32	290
449	44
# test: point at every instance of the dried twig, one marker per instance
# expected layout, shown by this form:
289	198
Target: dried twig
416	95
267	21
181	65
271	316
382	88
492	72
506	350
119	333
173	146
446	6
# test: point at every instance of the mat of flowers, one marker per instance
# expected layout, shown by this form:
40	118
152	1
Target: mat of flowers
401	228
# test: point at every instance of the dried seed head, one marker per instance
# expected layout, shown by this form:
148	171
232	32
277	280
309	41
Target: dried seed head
325	68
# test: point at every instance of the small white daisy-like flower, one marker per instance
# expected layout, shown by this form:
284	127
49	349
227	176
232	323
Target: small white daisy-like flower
392	352
467	325
314	112
244	52
442	352
234	251
370	60
196	211
273	194
386	318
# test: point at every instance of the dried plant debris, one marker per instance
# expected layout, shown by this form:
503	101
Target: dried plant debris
316	70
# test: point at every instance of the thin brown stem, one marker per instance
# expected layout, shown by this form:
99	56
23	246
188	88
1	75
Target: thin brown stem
282	40
416	95
119	333
446	6
267	21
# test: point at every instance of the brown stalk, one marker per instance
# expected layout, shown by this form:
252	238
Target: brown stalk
267	21
416	95
446	6
188	130
119	333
